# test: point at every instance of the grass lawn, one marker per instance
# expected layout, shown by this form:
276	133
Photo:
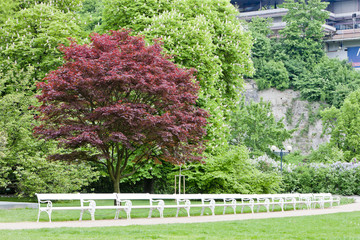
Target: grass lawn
330	226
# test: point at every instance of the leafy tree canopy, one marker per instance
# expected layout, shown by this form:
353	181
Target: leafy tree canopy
260	31
31	38
331	80
126	101
254	126
231	172
24	167
303	32
205	35
344	126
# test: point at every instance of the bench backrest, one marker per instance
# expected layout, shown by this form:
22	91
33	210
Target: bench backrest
133	196
58	196
147	196
98	196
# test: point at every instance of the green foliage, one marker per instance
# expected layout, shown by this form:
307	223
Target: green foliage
331	80
344	125
90	14
294	68
204	35
31	38
260	31
254	126
271	74
7	8
13	79
336	178
231	173
303	32
62	5
135	15
297	60
295	157
23	164
326	153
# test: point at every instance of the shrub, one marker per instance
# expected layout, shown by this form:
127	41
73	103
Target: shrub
271	74
231	173
336	178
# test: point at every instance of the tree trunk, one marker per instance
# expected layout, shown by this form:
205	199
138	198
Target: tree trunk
116	190
116	187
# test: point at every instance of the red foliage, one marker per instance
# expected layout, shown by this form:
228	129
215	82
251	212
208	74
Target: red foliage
123	98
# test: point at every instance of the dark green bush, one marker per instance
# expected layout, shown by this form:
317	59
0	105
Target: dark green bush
271	74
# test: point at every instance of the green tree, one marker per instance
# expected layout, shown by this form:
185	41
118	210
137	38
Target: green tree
91	14
330	80
260	32
204	35
231	172
254	126
303	34
327	153
32	35
271	74
23	163
344	125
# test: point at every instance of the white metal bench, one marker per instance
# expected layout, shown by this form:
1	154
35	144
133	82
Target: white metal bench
124	202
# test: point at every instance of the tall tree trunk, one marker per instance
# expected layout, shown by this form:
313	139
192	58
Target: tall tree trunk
116	189
116	186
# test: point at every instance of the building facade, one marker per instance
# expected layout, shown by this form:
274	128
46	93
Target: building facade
342	28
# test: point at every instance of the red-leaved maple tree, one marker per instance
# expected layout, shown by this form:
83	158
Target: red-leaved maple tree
117	100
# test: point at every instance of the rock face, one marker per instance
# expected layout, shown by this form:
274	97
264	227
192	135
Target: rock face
296	114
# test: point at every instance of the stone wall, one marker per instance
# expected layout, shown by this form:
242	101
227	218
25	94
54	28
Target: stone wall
296	114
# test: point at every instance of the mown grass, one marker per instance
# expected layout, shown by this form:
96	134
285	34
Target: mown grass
330	226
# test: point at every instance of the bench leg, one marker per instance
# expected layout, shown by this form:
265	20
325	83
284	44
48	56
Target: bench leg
202	211
92	213
234	207
150	212
161	211
81	215
49	213
224	210
188	211
128	212
117	214
38	215
212	210
177	212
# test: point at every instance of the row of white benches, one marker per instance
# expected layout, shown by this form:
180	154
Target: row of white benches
123	201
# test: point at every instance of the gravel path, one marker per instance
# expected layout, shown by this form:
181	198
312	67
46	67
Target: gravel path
197	219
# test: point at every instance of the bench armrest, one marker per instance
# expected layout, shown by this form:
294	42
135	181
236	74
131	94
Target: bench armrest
48	203
92	203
